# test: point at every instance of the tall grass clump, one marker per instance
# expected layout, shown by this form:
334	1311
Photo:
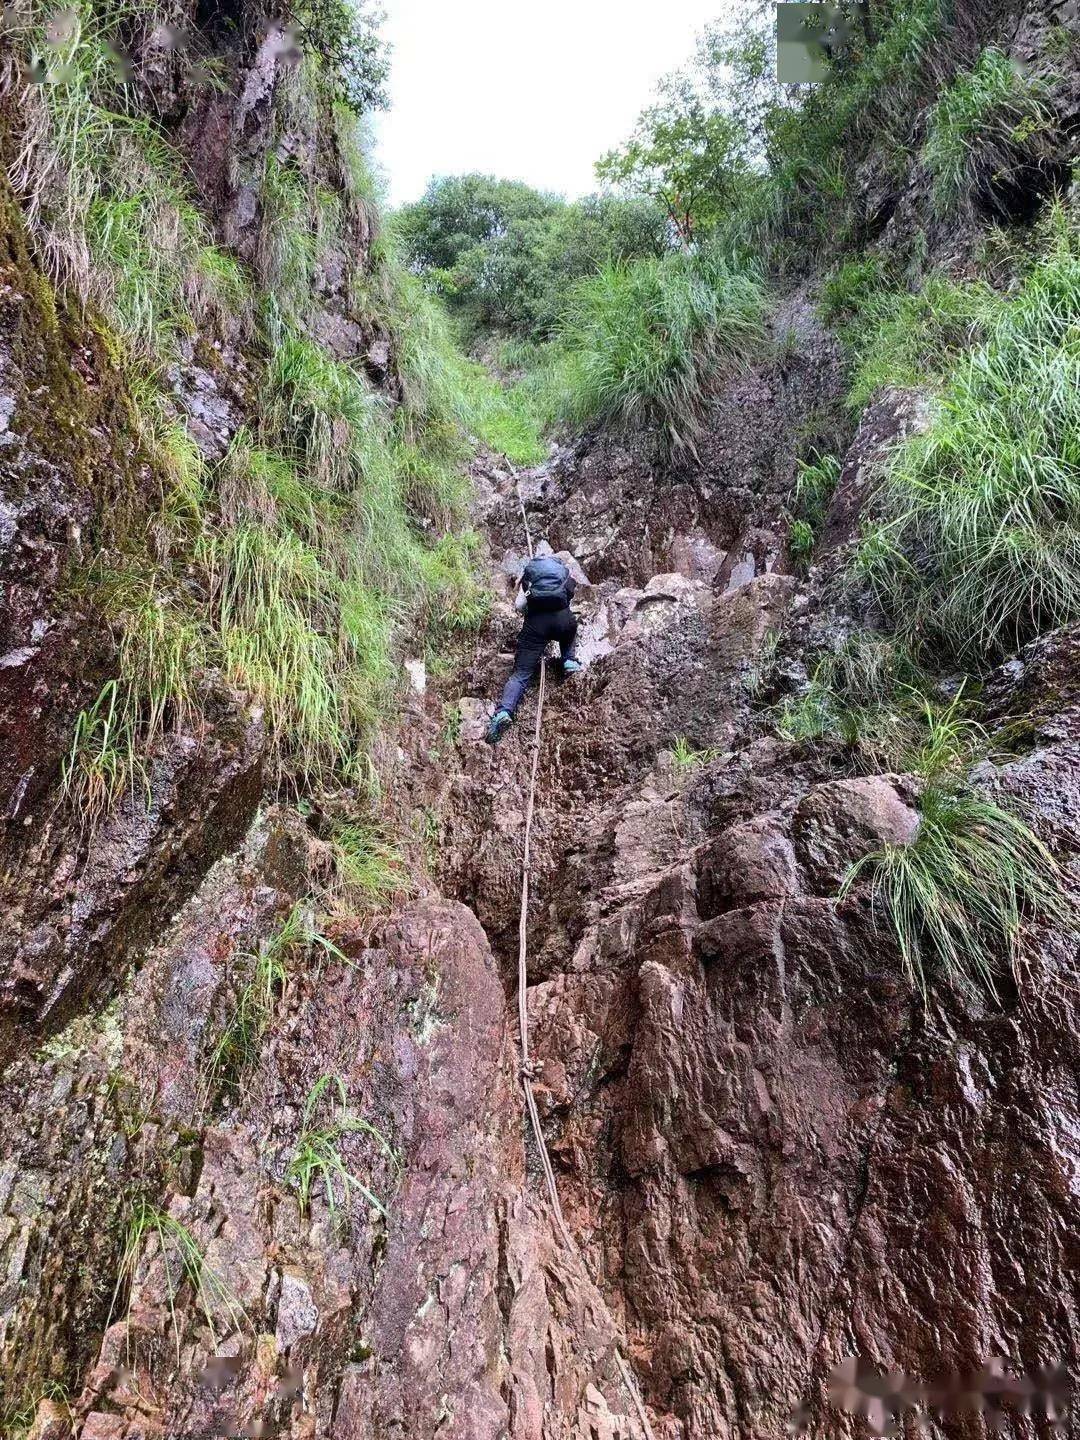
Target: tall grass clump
297	625
990	135
958	897
978	549
644	341
162	647
236	1050
908	340
184	1263
108	204
854	698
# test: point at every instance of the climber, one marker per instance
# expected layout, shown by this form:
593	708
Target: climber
544	596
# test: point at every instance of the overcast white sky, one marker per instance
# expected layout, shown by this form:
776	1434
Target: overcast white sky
532	90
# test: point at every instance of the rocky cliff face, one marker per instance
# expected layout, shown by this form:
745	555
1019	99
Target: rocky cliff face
772	1155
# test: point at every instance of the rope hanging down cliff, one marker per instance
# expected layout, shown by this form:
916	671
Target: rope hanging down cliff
523	1022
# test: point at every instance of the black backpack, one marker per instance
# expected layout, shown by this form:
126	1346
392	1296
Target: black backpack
548	584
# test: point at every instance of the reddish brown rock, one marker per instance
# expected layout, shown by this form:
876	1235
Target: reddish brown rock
840	822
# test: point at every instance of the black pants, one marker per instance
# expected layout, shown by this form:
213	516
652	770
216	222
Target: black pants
536	633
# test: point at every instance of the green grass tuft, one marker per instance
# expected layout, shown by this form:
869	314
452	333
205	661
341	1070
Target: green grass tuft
370	870
236	1050
978	549
989	133
957	898
184	1263
318	1162
645	341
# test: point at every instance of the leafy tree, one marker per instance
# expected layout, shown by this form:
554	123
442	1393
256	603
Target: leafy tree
687	154
346	36
459	212
503	255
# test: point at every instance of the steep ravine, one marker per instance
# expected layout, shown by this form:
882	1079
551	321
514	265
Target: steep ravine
771	1156
774	1156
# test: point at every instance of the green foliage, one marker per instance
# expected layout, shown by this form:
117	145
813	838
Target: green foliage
503	418
18	1418
106	195
688	155
958	897
978	547
868	105
344	34
989	133
103	759
801	540
502	255
645	341
685	757
162	647
293	566
370	870
458	599
288	245
445	394
237	1048
318	1160
458	212
850	289
910	340
814	488
184	1264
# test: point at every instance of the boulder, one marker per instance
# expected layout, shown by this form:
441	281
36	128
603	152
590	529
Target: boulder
839	822
749	862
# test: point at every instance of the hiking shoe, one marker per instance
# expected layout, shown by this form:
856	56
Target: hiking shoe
500	723
571	667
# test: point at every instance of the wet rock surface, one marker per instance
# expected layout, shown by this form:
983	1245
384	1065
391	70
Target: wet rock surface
771	1155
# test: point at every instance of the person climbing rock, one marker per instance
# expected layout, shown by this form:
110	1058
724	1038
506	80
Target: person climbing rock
544	596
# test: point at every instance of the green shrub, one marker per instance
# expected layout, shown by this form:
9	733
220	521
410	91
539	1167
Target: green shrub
979	545
959	895
645	341
989	133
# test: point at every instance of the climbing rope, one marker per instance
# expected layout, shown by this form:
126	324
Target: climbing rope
523	1020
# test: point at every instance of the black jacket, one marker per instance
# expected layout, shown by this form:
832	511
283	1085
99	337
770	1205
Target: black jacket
548	584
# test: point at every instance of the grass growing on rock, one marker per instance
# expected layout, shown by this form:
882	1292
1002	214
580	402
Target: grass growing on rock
237	1048
979	545
988	133
958	897
643	342
184	1264
318	1162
